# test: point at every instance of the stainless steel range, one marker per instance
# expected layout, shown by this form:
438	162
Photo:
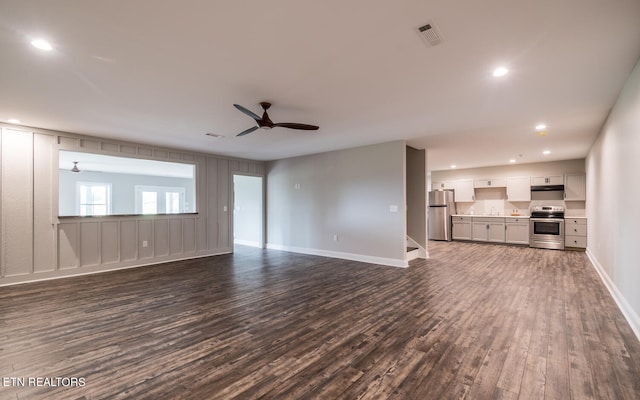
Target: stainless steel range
546	227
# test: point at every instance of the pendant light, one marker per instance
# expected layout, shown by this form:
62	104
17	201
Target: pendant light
75	167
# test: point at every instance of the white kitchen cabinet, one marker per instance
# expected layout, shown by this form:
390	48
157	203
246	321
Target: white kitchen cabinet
519	188
575	232
464	191
489	183
547	180
461	227
488	229
575	187
442	185
517	230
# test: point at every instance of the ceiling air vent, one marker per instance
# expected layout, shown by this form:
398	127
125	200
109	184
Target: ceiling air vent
430	34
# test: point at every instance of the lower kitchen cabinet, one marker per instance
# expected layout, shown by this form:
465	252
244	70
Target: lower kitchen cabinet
575	233
461	228
488	229
517	230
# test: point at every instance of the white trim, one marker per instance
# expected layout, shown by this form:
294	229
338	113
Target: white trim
422	252
251	243
624	306
72	271
391	262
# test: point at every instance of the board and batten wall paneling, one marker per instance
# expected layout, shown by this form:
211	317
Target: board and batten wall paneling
161	237
89	243
145	238
128	240
44	229
223	192
68	245
109	244
17	203
212	203
189	235
37	244
175	236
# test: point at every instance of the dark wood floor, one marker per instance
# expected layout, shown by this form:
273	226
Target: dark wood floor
475	321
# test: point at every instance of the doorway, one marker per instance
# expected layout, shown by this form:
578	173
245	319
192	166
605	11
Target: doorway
248	211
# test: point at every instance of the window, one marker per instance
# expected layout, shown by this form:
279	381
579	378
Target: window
99	184
93	198
159	200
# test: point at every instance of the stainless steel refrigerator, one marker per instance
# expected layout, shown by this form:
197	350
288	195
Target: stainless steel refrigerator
441	208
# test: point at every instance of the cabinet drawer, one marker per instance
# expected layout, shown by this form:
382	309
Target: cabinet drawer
575	230
575	221
517	220
457	218
575	241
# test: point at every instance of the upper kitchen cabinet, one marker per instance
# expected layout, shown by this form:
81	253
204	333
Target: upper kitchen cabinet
489	183
575	187
547	180
519	188
464	191
442	185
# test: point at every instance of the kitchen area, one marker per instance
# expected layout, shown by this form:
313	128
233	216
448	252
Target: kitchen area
539	205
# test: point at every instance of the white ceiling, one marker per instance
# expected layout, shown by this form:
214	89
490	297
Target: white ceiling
167	72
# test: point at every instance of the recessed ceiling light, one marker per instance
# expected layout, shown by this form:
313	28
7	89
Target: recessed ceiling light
541	127
14	121
453	166
41	44
500	71
512	160
546	152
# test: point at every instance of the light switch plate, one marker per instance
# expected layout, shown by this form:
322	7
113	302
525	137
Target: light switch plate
393	208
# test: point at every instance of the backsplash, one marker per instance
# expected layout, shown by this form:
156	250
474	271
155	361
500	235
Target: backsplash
493	201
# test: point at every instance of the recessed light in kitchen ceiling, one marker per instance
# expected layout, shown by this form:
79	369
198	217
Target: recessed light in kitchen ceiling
541	127
512	160
14	121
453	166
546	152
41	44
500	71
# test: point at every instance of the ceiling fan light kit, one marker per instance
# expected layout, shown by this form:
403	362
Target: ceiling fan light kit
266	123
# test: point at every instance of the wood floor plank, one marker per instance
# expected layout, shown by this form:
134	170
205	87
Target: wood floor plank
475	321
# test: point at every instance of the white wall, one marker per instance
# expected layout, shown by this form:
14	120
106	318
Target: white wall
36	244
613	195
347	193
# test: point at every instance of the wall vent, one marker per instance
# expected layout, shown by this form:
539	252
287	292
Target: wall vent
430	34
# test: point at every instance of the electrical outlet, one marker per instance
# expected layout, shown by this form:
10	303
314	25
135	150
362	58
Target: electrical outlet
335	238
145	243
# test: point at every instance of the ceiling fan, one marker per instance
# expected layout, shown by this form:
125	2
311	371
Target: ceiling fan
266	123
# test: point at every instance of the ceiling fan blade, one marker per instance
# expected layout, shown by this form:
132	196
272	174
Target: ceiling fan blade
246	132
248	112
293	125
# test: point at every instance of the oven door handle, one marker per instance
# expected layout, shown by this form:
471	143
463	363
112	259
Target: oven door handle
546	219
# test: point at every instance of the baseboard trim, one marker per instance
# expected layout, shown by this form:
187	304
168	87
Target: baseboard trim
624	306
247	243
391	262
422	252
71	273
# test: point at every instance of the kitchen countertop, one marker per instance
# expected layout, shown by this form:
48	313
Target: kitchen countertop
492	216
